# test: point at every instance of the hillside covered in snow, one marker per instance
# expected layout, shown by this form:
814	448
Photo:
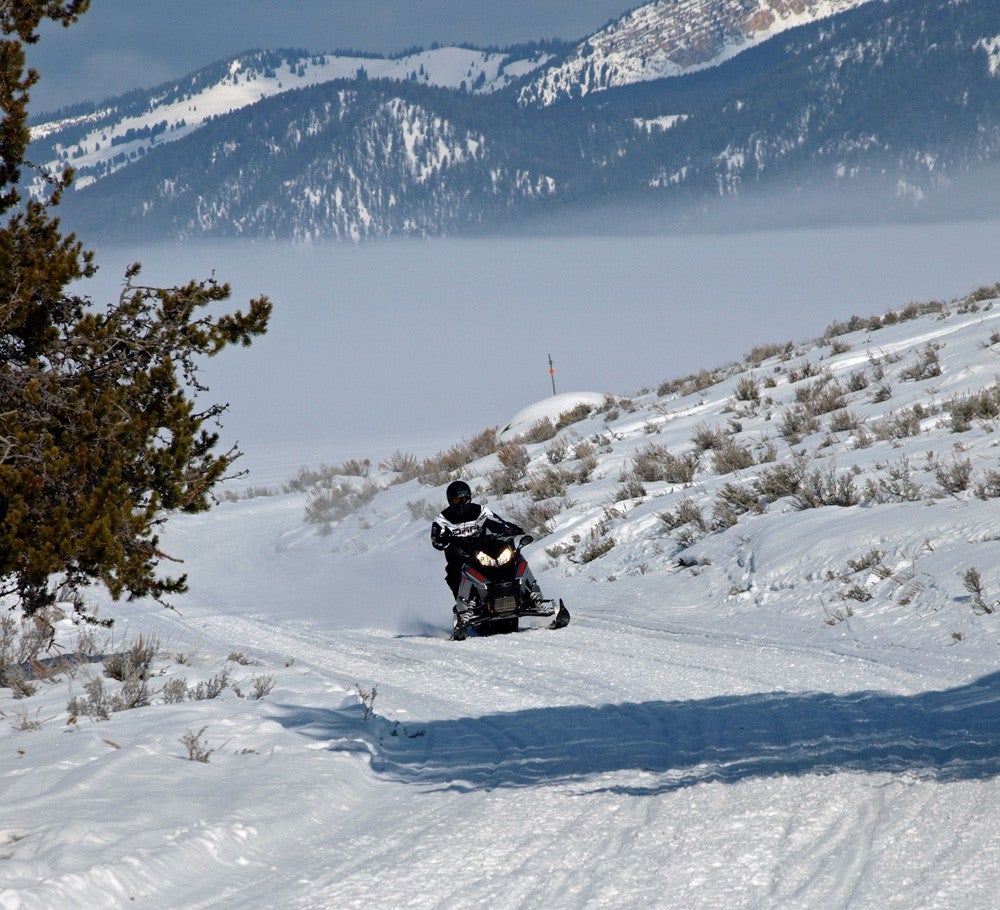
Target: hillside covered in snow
677	116
779	687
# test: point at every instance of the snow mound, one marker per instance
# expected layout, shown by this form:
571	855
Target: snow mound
550	409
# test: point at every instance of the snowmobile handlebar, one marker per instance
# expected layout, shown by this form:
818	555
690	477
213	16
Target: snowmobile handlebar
467	546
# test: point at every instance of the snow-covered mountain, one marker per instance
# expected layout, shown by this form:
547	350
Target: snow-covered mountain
880	111
778	689
671	38
113	135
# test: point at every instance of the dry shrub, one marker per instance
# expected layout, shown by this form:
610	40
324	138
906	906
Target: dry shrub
825	488
594	545
797	422
688	512
513	465
327	474
20	646
897	426
631	488
334	502
573	415
547	483
513	455
761	352
965	409
748	389
843	421
654	463
705	437
781	480
955	478
438	469
536	517
989	486
584	470
134	661
540	431
731	502
731	456
504	481
927	366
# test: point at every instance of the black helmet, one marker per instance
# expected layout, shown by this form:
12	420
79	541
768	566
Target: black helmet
459	495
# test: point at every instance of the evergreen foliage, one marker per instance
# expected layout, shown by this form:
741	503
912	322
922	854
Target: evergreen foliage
101	434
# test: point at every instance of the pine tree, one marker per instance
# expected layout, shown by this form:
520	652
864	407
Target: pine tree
101	436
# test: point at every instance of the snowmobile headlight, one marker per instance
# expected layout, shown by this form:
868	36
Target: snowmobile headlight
485	559
505	557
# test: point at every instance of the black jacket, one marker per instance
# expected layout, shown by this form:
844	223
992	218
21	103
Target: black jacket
450	528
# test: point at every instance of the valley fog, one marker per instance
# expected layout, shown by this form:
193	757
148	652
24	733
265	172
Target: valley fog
414	345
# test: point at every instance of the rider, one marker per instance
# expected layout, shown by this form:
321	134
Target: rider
463	519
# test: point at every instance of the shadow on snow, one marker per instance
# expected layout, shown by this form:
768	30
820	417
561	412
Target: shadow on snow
949	736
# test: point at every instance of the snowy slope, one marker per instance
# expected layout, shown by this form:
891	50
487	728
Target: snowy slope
671	38
792	705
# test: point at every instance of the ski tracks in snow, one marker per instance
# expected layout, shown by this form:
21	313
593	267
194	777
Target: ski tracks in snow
586	768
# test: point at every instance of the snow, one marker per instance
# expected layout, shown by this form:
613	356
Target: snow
667	38
992	48
549	409
103	150
722	724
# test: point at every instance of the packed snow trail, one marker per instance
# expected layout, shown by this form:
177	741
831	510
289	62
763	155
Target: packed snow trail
496	759
668	761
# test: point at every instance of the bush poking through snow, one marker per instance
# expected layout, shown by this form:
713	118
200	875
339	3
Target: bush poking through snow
870	560
897	486
989	486
134	662
328	503
704	438
175	691
748	389
95	704
927	366
688	512
654	463
797	422
540	431
197	748
367	697
18	648
595	545
964	410
974	585
536	517
262	686
573	415
761	352
548	483
825	488
210	689
956	477
731	456
631	488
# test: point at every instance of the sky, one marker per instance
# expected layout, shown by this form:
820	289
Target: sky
124	44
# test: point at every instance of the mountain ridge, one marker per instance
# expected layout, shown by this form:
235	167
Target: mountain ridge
891	103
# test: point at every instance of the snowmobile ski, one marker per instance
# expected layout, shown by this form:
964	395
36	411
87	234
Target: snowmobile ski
562	617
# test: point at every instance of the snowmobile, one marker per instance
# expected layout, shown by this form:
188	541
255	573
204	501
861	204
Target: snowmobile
497	588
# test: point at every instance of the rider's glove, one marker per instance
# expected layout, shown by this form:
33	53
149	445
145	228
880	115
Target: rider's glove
440	537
